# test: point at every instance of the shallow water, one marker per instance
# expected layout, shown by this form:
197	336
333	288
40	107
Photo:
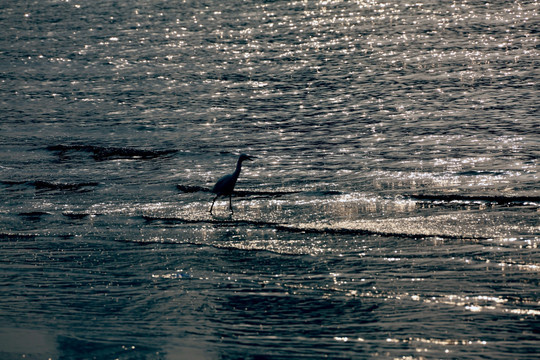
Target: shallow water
392	210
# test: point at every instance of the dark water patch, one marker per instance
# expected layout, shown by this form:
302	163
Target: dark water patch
100	153
12	183
33	215
50	185
71	347
27	343
490	199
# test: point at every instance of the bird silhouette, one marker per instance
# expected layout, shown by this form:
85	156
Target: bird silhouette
225	185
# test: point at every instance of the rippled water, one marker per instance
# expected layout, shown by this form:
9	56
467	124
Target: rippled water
392	210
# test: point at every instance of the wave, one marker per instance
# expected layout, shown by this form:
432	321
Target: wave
238	193
407	228
429	199
226	245
386	228
244	193
222	222
106	152
493	199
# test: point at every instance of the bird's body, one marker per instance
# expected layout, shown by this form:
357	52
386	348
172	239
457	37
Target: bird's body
225	185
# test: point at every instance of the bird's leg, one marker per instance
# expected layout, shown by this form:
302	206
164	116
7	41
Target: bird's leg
230	203
211	207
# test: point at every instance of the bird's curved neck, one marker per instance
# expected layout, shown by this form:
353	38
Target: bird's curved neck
238	168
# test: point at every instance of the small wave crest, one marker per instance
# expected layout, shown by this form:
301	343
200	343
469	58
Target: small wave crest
238	193
46	185
409	227
17	236
215	221
76	216
386	228
491	199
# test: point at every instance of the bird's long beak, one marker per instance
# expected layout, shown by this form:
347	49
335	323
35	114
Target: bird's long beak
250	158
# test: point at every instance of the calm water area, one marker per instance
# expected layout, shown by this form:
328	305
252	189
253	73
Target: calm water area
392	210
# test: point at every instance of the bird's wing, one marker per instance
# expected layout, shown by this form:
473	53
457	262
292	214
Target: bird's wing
224	185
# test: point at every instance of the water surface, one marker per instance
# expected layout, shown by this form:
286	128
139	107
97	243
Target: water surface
392	210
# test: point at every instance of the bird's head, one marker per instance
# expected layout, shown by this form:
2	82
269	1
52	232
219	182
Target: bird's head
246	157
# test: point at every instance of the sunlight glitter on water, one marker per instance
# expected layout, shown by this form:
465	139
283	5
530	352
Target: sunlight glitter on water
393	210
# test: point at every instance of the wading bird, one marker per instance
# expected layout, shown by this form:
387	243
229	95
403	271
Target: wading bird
225	185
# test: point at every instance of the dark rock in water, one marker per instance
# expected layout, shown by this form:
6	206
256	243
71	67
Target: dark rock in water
75	215
40	184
